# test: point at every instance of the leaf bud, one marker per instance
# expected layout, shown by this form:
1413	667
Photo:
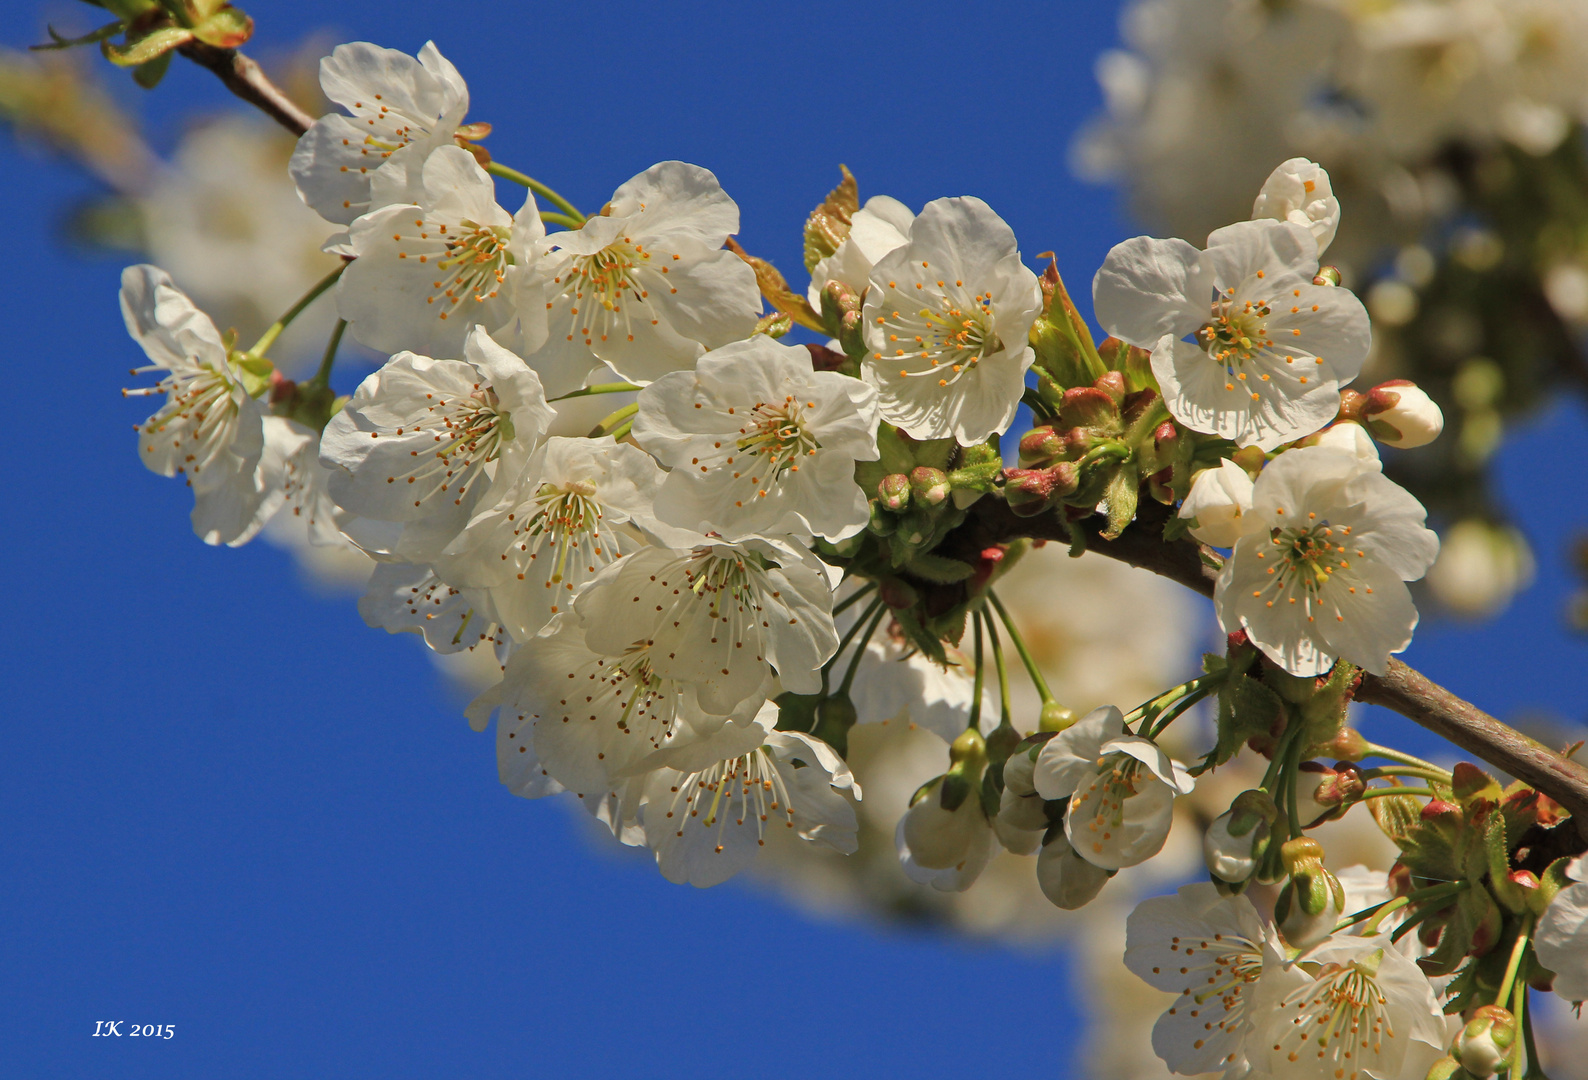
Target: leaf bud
1487	1042
1401	414
1066	879
929	485
893	491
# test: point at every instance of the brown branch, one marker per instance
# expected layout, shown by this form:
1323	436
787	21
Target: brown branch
1401	688
248	81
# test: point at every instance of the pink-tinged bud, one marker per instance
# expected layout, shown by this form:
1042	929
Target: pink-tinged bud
1440	810
1028	491
1165	436
1525	879
281	388
1090	407
929	485
1237	640
1039	446
1348	745
893	491
1401	414
1400	879
1112	383
1327	275
1322	792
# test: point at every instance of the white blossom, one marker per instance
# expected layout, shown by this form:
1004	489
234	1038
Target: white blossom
1299	191
1349	1008
646	286
1244	345
1067	880
719	616
1322	576
210	429
1218	504
1120	787
1209	950
1348	437
577	507
428	271
760	444
946	319
408	598
1561	938
957	876
422	441
877	228
401	109
707	823
592	719
897	683
1020	822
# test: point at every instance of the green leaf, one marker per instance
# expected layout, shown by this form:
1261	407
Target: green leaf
152	45
109	30
938	569
149	73
1246	708
1124	489
828	225
1397	816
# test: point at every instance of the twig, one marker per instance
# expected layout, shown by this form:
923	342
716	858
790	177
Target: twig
248	81
1401	688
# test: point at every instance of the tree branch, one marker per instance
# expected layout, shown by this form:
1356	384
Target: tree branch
1401	688
248	81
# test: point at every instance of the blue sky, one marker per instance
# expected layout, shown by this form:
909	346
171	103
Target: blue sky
227	805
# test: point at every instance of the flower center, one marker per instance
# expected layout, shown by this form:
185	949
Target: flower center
742	788
473	266
200	407
952	337
1338	1017
568	519
1114	782
1303	560
776	434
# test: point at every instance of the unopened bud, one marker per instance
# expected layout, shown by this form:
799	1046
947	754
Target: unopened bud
882	522
1487	1042
1039	446
1220	502
1323	793
1401	414
929	485
1065	878
1021	821
940	836
1230	857
1029	491
1327	275
1347	436
1312	901
893	491
1112	383
1056	717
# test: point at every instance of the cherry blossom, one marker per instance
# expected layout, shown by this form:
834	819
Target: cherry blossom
760	444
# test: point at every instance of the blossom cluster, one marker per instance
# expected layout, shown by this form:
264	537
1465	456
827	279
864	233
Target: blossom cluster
766	544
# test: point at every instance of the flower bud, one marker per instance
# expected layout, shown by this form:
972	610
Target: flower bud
893	491
1327	275
1065	878
1312	901
940	837
1321	792
1348	436
1021	821
1039	446
1401	414
1219	502
1485	1044
929	485
882	523
1056	717
1018	772
1028	491
1348	745
1298	191
1233	858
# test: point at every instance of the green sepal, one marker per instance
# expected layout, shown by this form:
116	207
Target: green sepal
938	569
226	28
796	712
58	41
154	44
1550	883
255	372
1247	708
149	73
